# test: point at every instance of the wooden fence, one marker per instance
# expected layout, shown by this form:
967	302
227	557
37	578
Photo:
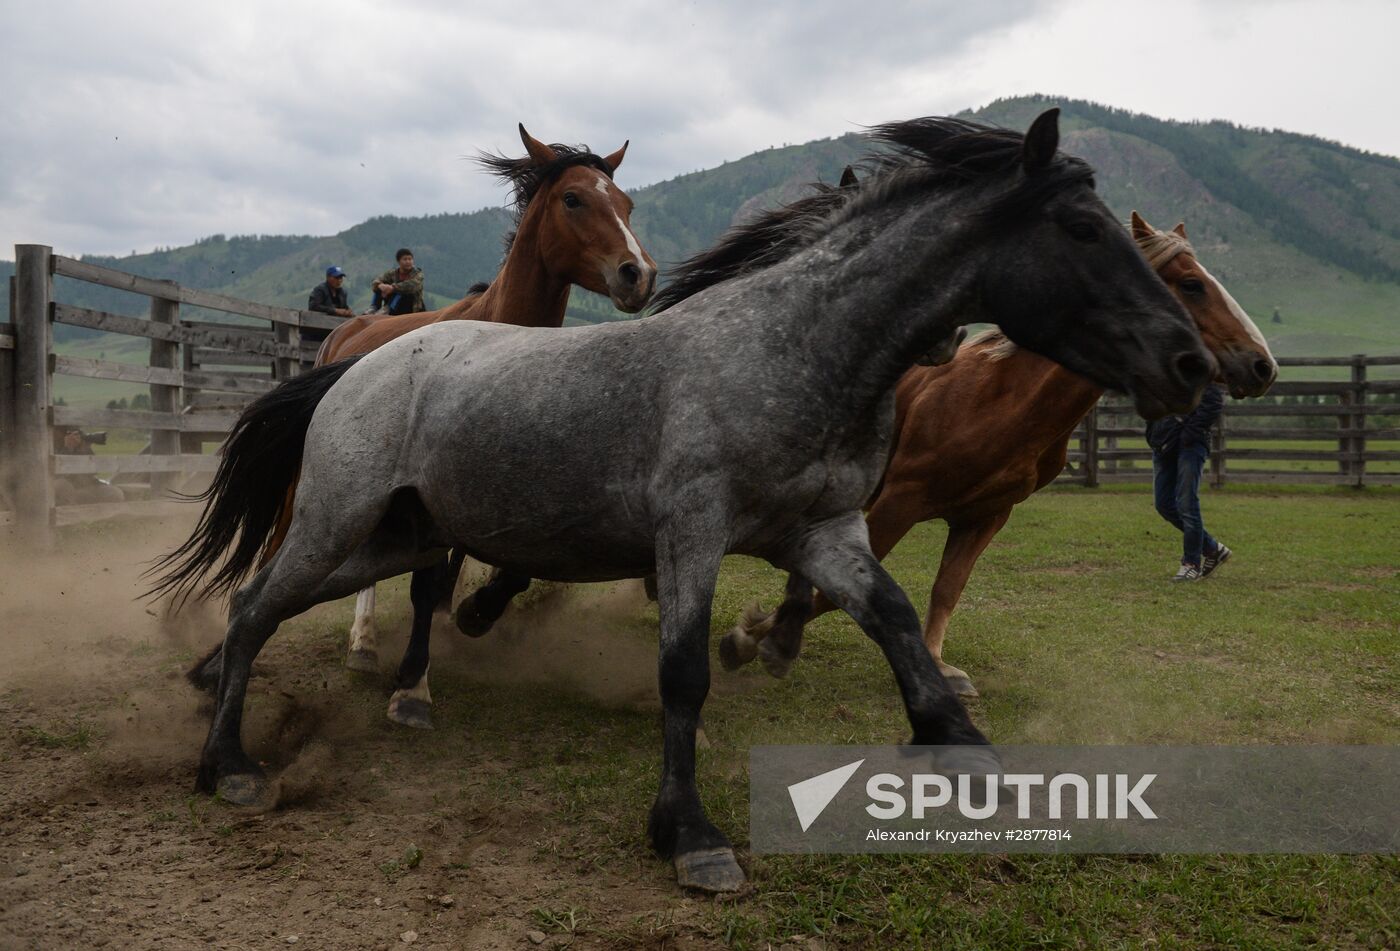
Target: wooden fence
200	374
1339	422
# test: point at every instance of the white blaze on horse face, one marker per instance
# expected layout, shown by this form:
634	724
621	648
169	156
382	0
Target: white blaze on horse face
633	247
1240	315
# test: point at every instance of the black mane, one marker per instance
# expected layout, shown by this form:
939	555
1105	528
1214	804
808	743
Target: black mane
752	246
918	154
526	178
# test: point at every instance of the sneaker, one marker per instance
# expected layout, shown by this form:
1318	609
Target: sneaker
1187	572
1211	562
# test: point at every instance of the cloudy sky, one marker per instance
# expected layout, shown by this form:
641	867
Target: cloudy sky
137	124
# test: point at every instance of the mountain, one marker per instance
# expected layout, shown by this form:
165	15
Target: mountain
1290	222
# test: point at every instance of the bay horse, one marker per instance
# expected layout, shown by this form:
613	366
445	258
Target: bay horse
572	227
978	436
754	417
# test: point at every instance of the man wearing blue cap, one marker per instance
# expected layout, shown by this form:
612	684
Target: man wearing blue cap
330	297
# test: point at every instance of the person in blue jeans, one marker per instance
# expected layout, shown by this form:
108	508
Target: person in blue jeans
1180	447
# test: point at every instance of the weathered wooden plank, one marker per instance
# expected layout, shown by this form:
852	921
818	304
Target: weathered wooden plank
229	382
110	277
1376	360
32	443
1333	409
77	514
136	419
243	339
108	370
204	357
92	465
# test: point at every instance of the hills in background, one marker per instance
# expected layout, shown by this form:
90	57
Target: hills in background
1287	221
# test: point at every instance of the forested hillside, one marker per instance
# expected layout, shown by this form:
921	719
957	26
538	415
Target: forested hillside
1294	224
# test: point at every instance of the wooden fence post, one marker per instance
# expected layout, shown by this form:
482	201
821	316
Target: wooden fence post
33	444
165	398
1358	420
1090	443
1217	455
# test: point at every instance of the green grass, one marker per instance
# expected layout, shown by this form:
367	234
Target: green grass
1073	635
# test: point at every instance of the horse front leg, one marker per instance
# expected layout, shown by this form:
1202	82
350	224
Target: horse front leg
687	566
363	654
412	703
966	543
836	557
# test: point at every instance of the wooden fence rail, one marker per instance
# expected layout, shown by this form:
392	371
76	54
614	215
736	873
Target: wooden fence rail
1347	425
199	374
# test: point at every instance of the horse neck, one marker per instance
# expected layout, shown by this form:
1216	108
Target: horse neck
885	289
524	292
1065	395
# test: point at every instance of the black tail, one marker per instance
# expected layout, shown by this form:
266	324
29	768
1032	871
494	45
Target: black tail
262	456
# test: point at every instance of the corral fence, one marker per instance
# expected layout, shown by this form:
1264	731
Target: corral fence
1332	432
201	372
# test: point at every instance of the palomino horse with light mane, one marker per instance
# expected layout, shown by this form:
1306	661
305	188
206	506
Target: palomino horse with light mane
572	228
978	436
754	418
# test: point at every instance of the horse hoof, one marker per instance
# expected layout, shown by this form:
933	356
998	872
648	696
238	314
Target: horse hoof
971	760
962	686
248	790
774	661
365	661
469	622
710	870
736	649
410	711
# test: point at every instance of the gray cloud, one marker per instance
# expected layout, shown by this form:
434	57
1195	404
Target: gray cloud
131	126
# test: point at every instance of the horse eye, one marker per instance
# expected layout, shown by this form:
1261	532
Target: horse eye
1192	286
1083	231
571	200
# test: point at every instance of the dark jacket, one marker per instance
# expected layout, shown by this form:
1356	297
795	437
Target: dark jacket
1170	434
327	300
411	289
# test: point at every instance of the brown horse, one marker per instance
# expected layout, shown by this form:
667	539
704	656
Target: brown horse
980	434
572	227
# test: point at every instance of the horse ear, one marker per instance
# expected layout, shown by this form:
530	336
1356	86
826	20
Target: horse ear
1180	230
1141	229
539	152
848	177
1042	139
614	160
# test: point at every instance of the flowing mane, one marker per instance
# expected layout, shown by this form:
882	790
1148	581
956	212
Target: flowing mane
526	177
916	155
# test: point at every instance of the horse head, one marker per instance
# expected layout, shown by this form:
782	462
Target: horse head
1246	365
582	222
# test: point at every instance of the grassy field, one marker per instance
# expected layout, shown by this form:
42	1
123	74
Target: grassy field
1069	628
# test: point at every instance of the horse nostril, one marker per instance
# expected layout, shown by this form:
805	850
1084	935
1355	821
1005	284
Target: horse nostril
1192	368
630	273
1263	370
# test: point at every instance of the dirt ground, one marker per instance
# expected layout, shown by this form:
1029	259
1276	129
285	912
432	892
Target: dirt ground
380	841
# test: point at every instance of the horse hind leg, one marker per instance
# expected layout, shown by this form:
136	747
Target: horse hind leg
484	607
363	651
412	703
780	648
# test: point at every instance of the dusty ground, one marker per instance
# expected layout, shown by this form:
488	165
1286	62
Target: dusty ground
103	843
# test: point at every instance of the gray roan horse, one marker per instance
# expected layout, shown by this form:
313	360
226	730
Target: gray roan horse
754	417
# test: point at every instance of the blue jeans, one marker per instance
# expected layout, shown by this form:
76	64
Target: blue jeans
1176	485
